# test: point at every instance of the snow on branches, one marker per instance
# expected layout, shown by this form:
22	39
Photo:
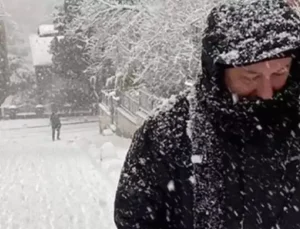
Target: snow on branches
155	42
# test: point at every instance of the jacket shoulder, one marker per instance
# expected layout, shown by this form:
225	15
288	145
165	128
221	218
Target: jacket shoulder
167	128
172	114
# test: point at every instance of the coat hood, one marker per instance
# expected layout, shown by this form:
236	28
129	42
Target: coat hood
246	32
249	31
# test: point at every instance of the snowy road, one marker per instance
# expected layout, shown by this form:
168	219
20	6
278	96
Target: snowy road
45	184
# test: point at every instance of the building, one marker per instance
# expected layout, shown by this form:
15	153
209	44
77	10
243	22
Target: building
40	44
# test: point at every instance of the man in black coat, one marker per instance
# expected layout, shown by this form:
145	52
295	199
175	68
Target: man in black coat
56	125
225	155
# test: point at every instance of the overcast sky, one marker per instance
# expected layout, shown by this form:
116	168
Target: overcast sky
30	13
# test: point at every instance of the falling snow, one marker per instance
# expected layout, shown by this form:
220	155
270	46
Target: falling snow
171	186
197	159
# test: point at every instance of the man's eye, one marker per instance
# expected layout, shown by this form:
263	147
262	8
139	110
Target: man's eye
246	79
282	71
250	79
278	74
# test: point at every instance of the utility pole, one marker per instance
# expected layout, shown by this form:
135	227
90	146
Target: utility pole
4	71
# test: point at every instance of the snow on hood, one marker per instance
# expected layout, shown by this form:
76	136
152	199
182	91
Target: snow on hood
248	31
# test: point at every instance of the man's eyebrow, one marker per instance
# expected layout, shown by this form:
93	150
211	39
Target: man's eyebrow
254	72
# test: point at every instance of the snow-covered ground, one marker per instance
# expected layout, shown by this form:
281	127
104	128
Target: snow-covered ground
62	184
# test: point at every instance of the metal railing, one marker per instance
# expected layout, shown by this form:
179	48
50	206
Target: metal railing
140	101
106	98
129	103
147	101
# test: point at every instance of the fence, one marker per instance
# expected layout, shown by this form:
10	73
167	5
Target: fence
40	111
106	98
129	103
147	101
127	111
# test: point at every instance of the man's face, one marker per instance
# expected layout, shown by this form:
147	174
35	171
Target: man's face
258	80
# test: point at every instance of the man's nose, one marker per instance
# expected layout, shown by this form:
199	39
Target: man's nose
265	88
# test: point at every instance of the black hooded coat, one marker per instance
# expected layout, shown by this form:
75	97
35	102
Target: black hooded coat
203	162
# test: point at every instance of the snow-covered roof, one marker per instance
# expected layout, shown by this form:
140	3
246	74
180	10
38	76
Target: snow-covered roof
40	50
47	30
8	101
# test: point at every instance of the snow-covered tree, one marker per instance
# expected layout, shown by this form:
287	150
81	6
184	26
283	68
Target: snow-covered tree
22	79
70	58
69	54
156	42
4	75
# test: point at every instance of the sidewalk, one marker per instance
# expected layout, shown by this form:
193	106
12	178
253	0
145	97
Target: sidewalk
39	123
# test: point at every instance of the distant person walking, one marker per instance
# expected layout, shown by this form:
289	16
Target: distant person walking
56	125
